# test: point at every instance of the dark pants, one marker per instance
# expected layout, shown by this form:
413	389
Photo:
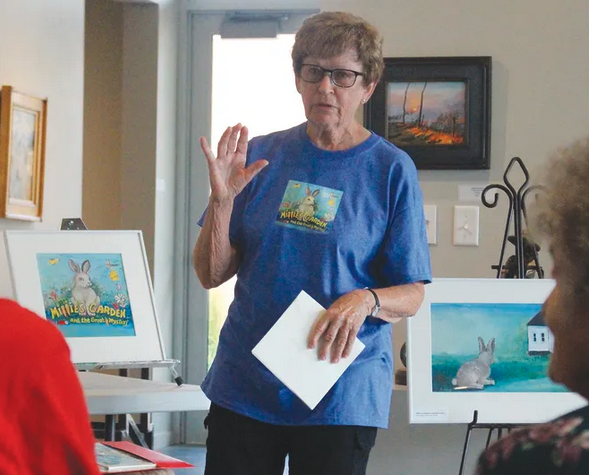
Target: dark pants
239	445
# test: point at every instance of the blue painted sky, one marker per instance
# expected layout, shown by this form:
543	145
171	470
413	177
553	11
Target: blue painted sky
438	97
455	327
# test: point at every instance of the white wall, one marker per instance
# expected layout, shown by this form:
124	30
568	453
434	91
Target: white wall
43	55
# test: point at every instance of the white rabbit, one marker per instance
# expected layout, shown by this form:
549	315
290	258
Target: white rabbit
474	374
307	208
82	292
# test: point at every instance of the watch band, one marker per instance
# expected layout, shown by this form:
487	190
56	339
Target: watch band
377	301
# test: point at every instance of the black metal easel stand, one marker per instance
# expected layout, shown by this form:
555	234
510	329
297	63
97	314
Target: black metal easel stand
474	424
517	212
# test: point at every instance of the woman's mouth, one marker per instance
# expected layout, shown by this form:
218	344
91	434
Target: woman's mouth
322	105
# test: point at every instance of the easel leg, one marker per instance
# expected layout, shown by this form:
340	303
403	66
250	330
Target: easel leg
467	440
145	425
109	428
489	437
136	436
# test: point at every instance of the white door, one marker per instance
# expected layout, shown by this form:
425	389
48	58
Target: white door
206	56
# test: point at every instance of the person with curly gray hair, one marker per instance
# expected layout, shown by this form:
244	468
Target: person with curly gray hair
328	208
560	446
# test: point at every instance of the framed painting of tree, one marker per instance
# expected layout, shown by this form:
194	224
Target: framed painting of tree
437	109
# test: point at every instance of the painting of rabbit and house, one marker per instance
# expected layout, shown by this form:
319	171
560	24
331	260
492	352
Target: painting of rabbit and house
490	347
86	295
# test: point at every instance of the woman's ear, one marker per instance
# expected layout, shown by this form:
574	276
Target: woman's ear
368	90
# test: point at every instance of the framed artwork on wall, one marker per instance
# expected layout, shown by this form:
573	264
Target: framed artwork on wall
94	286
482	344
23	124
437	109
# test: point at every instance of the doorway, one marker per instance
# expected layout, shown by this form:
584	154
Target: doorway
229	80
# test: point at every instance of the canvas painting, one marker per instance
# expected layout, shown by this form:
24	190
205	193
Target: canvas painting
483	345
437	109
22	154
23	124
86	295
509	340
426	113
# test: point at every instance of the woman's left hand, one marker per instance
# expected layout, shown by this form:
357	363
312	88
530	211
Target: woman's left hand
336	329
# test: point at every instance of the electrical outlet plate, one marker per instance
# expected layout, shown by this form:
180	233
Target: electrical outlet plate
466	225
430	212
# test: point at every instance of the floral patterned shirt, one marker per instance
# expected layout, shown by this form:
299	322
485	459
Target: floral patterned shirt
557	447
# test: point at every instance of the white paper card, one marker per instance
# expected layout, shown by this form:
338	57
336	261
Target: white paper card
434	415
283	350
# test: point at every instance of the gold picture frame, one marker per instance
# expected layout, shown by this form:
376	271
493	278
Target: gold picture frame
23	124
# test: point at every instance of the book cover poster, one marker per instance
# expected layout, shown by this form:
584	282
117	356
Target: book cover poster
86	295
308	207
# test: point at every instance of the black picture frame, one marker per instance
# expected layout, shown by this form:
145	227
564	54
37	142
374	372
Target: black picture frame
453	133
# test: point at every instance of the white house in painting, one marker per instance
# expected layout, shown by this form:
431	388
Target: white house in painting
540	339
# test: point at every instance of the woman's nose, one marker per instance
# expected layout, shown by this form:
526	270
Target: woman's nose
325	84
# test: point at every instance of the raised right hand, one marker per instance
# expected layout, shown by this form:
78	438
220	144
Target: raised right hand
228	175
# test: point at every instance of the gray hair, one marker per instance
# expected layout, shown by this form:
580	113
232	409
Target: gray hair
330	34
562	215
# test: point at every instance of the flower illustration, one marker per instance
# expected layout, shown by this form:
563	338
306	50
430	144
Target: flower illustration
121	300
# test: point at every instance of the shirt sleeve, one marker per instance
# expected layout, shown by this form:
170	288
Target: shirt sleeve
404	256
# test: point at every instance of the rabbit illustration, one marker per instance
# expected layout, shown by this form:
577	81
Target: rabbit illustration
307	208
474	374
82	293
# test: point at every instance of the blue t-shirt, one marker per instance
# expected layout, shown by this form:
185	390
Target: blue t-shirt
327	223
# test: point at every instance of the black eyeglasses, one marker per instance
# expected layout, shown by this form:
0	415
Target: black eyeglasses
339	77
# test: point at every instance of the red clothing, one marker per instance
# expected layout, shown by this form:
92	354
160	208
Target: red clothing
44	423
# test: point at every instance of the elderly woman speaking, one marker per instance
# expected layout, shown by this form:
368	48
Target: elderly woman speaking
329	208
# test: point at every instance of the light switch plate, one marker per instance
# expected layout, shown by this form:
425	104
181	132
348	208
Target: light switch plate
430	212
466	225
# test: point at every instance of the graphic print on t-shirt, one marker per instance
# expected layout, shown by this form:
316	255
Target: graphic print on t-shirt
309	207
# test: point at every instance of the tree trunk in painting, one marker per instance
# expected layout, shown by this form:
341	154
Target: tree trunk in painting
421	106
405	101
